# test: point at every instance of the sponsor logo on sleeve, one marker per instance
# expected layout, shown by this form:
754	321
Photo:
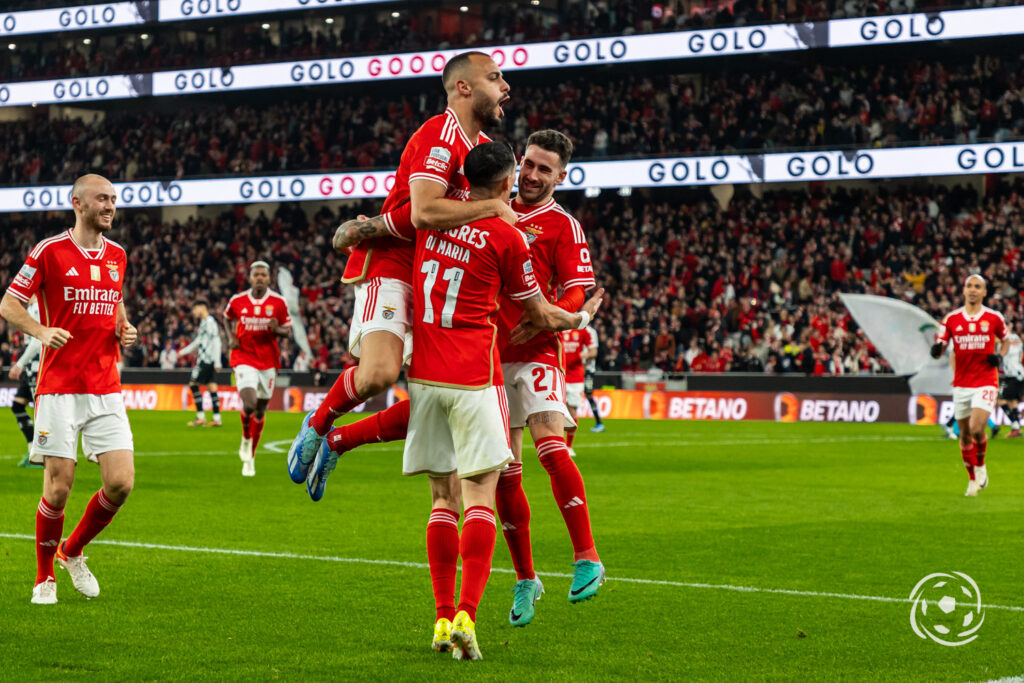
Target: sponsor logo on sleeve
27	271
438	159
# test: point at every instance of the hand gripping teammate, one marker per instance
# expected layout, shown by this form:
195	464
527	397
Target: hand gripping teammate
430	192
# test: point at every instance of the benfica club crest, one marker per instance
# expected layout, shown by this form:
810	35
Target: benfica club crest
984	326
532	232
270	310
42	437
112	271
389	312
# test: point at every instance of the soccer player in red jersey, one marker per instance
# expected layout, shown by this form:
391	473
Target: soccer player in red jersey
458	422
78	277
974	331
429	192
261	317
574	345
534	379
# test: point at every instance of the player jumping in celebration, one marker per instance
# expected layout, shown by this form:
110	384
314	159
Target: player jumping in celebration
429	192
207	342
974	330
1013	380
78	277
24	373
458	422
260	316
590	367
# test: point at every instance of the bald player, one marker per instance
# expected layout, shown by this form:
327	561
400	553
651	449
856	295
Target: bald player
78	277
430	193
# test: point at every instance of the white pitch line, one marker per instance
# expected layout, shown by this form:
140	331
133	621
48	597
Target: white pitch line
421	565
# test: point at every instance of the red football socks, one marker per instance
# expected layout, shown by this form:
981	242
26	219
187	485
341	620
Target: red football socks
514	512
979	451
477	549
256	429
49	527
443	557
246	424
98	514
967	453
341	398
570	495
387	425
570	436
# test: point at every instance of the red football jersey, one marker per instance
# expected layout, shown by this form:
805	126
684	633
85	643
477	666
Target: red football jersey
257	343
973	338
78	291
435	152
457	280
573	344
560	257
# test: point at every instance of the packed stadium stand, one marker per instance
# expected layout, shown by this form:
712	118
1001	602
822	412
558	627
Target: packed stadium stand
747	283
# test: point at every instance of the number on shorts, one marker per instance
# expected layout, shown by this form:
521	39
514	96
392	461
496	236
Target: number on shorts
454	278
539	373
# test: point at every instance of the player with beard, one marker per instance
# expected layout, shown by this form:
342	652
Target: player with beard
534	380
78	277
430	192
974	331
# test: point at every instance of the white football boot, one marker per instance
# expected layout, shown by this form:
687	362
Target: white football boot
981	477
972	488
245	449
45	593
82	579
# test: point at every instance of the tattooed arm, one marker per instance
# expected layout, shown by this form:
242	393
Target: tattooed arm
352	232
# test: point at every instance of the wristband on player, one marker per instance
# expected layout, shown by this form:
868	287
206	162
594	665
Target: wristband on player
584	320
936	350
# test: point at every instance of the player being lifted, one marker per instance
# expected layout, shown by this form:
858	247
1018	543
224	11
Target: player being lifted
24	373
207	343
974	331
78	276
1013	380
459	418
534	381
261	317
429	192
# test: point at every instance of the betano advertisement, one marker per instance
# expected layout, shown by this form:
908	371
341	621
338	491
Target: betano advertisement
614	404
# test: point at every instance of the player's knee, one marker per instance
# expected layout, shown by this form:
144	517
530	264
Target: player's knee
119	487
259	412
56	491
375	379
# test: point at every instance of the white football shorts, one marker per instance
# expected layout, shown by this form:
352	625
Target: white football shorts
534	388
574	395
456	430
382	304
100	420
966	399
248	377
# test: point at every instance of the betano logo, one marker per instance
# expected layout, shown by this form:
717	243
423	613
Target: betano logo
789	408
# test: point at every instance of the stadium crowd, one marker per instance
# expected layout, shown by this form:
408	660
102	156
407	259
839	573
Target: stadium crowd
882	105
691	286
371	30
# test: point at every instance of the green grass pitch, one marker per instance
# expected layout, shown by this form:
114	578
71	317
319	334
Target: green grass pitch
683	514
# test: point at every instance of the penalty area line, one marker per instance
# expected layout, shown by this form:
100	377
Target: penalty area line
502	570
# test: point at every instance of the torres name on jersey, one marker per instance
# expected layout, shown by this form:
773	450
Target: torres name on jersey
79	291
561	257
435	152
973	339
258	347
458	276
